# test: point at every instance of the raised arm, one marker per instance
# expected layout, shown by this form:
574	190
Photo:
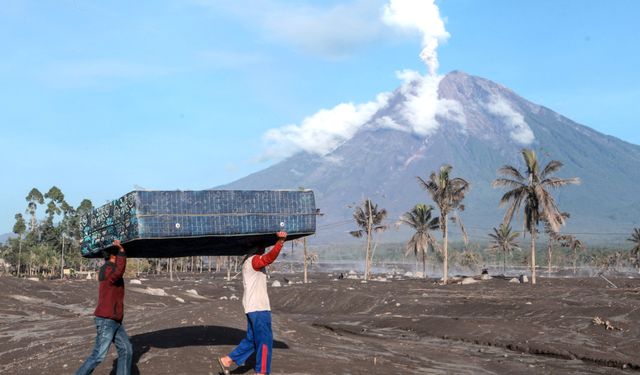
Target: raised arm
121	263
260	261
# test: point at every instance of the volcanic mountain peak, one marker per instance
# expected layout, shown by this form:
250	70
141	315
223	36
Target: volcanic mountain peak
476	126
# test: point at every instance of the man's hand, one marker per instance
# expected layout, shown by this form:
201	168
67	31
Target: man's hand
282	235
117	244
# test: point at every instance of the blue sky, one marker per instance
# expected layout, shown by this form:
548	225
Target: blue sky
98	97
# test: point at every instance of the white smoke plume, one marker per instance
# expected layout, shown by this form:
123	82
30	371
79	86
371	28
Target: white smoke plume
423	16
518	128
422	103
322	132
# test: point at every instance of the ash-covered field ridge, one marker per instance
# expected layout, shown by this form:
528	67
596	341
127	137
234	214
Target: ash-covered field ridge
382	163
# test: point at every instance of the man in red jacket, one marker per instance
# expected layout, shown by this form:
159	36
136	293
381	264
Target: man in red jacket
109	314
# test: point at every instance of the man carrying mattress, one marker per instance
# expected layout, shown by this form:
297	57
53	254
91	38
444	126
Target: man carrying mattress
255	301
109	314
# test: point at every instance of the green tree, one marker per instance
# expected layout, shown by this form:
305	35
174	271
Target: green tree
19	228
50	233
369	218
448	194
83	209
504	240
34	198
531	191
635	250
420	219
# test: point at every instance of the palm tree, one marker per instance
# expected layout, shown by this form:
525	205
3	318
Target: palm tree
448	194
504	240
532	190
553	237
421	220
635	250
369	218
575	245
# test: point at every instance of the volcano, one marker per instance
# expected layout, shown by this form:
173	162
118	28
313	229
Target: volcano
486	126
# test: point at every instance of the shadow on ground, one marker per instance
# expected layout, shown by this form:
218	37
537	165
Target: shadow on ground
190	336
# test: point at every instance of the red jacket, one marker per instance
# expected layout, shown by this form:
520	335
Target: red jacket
111	290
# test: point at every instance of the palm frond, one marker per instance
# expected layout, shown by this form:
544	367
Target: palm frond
510	171
555	182
531	163
551	167
508	183
516	194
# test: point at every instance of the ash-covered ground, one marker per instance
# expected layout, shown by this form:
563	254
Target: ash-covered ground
393	325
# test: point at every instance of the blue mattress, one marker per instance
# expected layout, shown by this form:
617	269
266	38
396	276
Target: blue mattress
155	224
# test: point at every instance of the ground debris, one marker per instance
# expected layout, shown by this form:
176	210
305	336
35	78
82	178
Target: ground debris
607	324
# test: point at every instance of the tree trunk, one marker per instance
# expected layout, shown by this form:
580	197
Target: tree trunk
445	239
19	254
549	252
62	259
504	262
367	265
209	263
575	259
170	269
304	244
533	257
291	264
424	264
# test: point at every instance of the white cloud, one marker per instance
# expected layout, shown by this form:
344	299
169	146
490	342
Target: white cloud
322	132
328	128
518	128
333	31
423	16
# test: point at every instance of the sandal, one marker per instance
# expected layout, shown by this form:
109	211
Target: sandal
225	369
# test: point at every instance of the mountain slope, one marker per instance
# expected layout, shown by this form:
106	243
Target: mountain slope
382	163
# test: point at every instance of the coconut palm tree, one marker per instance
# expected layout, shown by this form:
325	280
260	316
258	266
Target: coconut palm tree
531	190
635	250
504	240
421	220
575	245
448	194
369	218
552	238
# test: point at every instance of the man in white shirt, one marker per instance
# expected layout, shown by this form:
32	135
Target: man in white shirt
255	301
